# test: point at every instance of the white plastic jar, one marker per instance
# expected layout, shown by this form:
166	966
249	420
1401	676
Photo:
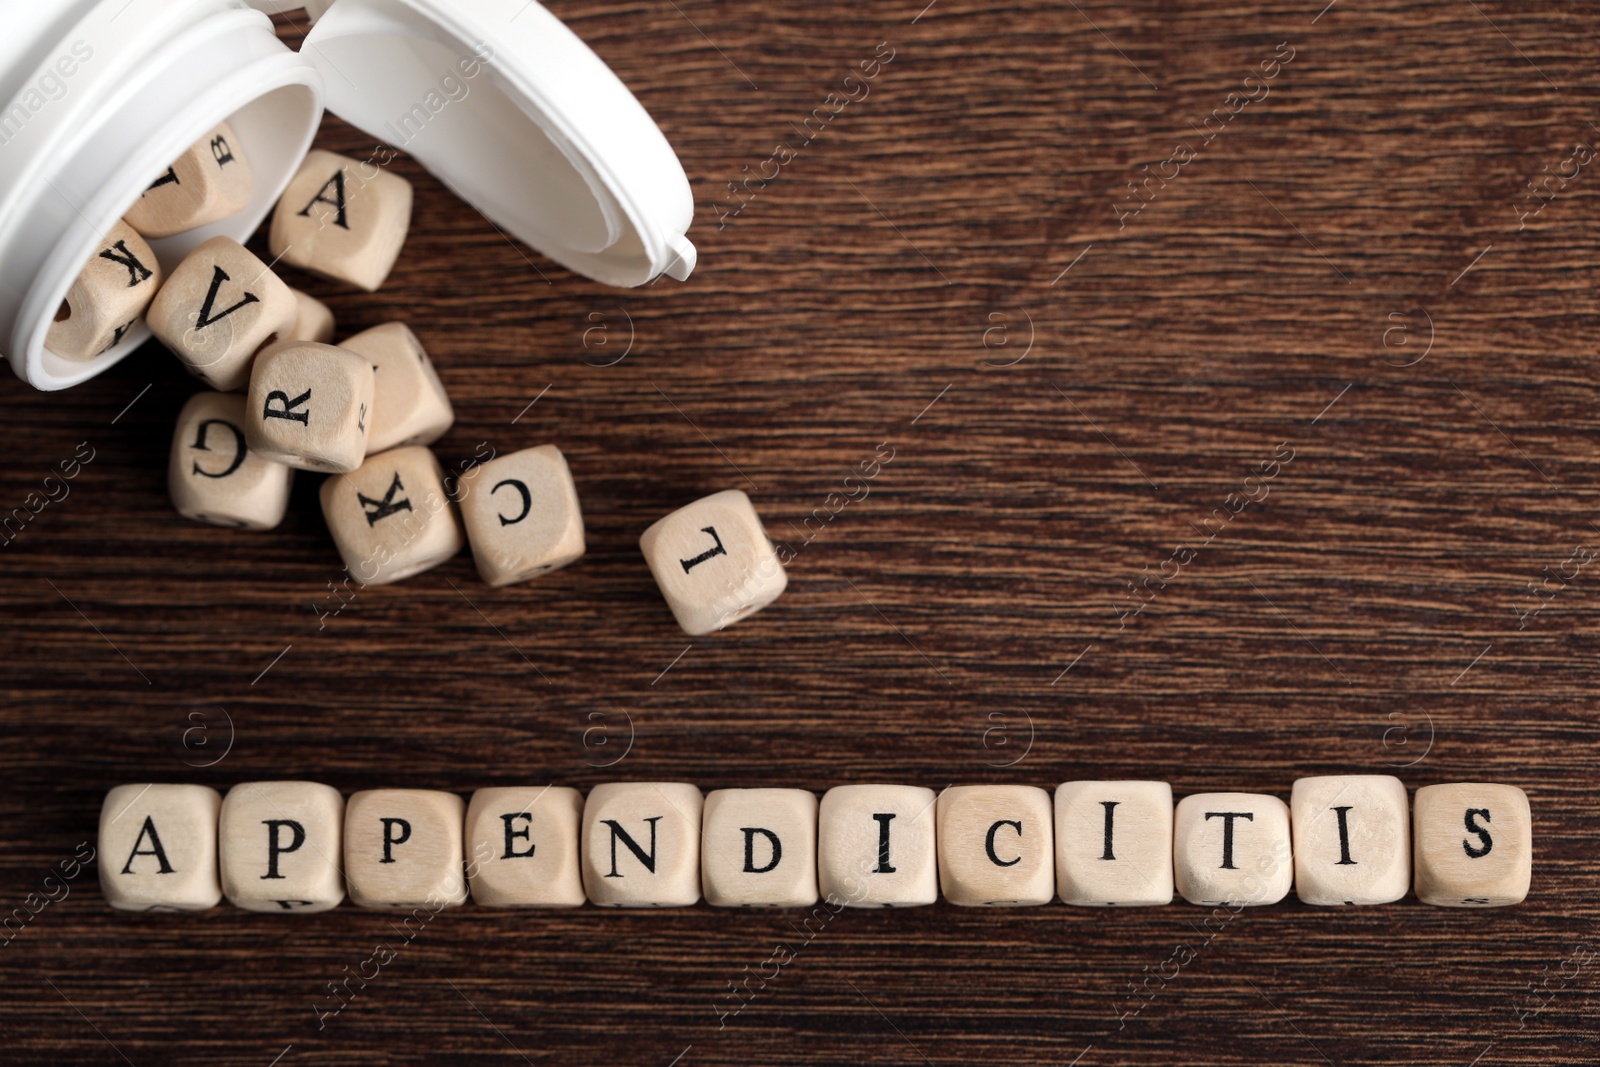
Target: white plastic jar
543	139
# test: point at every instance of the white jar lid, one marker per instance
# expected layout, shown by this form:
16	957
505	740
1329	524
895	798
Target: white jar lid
511	110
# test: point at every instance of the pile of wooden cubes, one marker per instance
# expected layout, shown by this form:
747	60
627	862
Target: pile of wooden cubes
284	398
293	847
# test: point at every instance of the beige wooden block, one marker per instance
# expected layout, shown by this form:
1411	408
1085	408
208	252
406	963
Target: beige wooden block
281	846
213	476
220	307
108	298
342	219
713	562
641	844
1472	844
522	515
403	849
1232	848
1352	839
310	406
313	322
158	848
410	406
758	848
996	845
522	847
876	846
390	517
206	184
1114	843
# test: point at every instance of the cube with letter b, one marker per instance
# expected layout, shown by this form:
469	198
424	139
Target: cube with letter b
759	848
209	182
522	847
213	476
158	847
403	849
1472	844
281	844
641	844
713	562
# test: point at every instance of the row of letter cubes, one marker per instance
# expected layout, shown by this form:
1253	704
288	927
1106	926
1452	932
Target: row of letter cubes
297	846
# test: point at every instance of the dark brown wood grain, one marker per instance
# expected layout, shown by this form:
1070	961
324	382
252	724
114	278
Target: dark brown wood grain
1056	437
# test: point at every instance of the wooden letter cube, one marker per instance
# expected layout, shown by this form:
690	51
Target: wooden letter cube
1473	844
759	848
391	518
158	848
522	847
1352	839
206	184
310	406
996	845
281	845
641	844
713	562
213	476
314	321
522	516
403	849
876	846
340	222
109	297
410	406
1232	849
1114	843
220	307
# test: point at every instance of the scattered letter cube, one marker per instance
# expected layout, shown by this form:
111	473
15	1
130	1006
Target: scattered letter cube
521	514
641	844
390	517
1232	849
522	847
220	307
759	848
876	846
336	220
212	474
1473	844
281	846
158	848
310	406
403	849
1114	843
1352	839
995	845
314	321
410	405
208	183
713	562
109	297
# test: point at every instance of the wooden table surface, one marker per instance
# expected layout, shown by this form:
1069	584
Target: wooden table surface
1343	263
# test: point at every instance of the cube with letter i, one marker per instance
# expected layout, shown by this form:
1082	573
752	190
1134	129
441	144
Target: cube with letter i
1232	849
281	845
641	844
1352	839
403	849
158	847
1114	843
1472	844
759	848
713	562
996	845
876	846
522	847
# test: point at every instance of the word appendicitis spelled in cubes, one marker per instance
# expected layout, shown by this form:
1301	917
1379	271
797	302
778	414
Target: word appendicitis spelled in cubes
280	847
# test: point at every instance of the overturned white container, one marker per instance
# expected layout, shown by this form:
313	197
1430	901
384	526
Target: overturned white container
496	98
